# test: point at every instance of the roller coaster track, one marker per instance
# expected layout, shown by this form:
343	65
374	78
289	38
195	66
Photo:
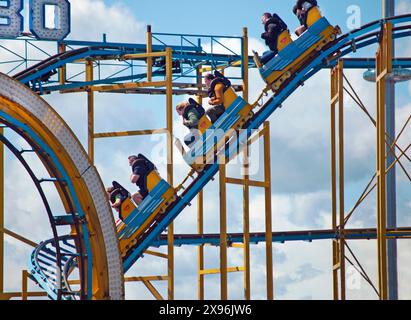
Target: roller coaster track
80	189
100	214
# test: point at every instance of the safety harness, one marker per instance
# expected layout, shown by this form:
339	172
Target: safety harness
219	78
198	108
148	167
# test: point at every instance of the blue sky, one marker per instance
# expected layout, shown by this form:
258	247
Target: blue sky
228	17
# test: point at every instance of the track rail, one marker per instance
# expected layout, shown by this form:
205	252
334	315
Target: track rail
279	236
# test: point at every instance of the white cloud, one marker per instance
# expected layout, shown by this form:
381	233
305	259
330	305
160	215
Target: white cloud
116	20
403	7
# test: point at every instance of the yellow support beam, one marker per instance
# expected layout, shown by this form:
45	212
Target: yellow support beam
246	225
247	182
156	254
129	133
130	279
337	203
148	278
128	86
149	51
246	179
341	176
218	271
153	290
384	67
19	237
139	56
200	209
245	64
116	87
223	231
1	215
90	110
24	278
170	167
63	69
268	213
334	181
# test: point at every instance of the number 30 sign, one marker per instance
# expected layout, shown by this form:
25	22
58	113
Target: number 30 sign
12	22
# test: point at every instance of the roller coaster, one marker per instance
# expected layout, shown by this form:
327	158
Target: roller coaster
97	251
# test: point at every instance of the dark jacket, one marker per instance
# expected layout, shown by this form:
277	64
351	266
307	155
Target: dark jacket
273	27
142	167
192	114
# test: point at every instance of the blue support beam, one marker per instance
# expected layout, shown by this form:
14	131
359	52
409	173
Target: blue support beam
279	237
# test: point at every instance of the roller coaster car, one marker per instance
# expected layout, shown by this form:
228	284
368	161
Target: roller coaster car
137	219
213	136
292	55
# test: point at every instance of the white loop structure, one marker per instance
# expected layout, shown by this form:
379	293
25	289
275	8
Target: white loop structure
39	109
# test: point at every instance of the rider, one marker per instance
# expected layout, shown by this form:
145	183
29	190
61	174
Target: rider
117	194
191	112
141	168
301	11
273	26
216	84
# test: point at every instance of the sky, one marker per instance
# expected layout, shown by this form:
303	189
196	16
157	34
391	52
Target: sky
300	153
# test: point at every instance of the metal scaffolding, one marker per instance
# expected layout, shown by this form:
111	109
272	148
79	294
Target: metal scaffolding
386	146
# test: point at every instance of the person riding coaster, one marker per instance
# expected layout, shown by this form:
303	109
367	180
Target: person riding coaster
217	84
142	170
229	114
308	13
318	33
194	117
156	198
276	36
120	199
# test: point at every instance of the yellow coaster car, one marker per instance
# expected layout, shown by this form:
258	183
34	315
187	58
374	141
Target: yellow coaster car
213	136
292	55
136	220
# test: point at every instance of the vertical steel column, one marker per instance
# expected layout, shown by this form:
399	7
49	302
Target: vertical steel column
341	177
24	277
200	206
338	207
246	178
388	8
170	160
149	50
90	110
334	99
245	63
384	68
268	213
63	69
246	223
1	215
223	231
